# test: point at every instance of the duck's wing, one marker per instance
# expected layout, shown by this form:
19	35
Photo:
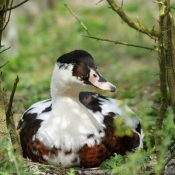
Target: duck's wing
103	108
29	124
39	111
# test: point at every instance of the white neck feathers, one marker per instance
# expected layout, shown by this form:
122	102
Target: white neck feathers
70	123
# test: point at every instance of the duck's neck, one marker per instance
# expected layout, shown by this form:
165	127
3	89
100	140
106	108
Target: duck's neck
58	94
69	122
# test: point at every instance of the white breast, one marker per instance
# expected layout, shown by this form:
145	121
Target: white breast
69	129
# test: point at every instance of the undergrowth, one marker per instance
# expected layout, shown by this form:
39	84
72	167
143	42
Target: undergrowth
134	72
12	162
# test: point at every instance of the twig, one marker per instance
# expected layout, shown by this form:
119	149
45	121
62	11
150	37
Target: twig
10	122
38	164
169	67
122	43
78	19
154	108
168	160
8	112
157	2
98	2
59	168
11	8
4	64
102	39
155	19
8	17
173	7
122	4
151	33
5	50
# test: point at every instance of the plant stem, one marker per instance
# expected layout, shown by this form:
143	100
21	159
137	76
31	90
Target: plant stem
122	43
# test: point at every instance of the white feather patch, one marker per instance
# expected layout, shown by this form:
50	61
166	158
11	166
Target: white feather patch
121	111
38	108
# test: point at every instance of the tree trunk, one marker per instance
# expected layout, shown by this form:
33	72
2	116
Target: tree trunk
169	40
167	66
3	124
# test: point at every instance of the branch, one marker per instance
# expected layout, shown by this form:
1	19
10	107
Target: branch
173	7
168	160
102	39
8	112
148	31
78	19
98	2
14	7
4	64
10	122
5	50
8	17
122	43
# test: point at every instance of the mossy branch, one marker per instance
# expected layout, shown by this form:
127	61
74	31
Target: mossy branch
108	40
10	121
121	43
135	25
163	79
8	112
168	160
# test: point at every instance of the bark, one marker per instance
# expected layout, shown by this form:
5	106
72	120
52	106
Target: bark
133	24
162	50
169	41
3	125
6	119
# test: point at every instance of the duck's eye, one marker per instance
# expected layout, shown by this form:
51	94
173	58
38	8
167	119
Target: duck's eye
73	62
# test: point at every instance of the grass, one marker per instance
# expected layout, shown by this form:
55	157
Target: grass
47	36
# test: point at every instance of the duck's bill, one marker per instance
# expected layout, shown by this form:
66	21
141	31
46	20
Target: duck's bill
98	81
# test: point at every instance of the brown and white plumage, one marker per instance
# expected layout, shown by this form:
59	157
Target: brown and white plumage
77	128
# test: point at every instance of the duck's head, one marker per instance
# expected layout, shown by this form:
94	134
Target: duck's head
75	69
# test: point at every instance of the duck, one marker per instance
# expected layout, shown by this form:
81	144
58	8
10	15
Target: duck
76	127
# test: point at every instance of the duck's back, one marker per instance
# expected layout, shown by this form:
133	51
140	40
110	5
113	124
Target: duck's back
106	111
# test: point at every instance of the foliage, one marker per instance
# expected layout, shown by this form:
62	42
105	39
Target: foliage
144	161
71	172
134	71
124	164
11	164
14	164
